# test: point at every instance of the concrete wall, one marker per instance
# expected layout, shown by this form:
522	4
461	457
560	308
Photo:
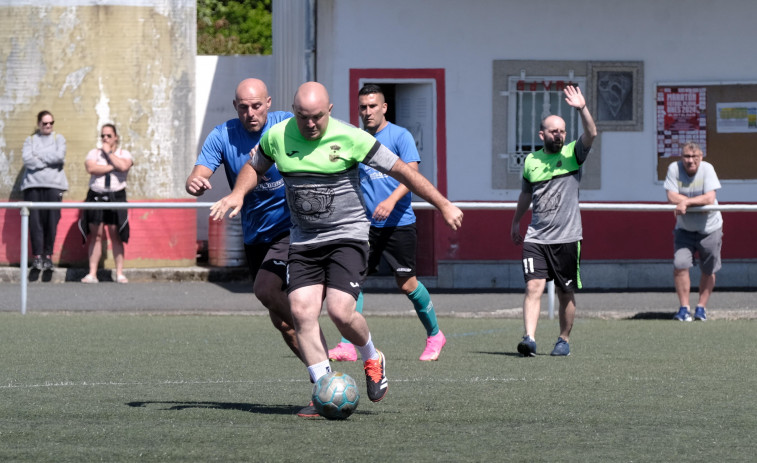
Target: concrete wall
129	62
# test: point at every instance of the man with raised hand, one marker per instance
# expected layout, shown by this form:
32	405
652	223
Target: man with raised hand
552	246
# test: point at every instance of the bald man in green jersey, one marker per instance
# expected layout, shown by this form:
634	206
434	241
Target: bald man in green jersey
318	158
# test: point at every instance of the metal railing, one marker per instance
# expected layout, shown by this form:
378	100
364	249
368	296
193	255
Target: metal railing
25	206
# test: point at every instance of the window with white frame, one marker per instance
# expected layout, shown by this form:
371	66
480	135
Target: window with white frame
530	100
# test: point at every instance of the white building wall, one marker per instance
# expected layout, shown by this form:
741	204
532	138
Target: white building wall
685	41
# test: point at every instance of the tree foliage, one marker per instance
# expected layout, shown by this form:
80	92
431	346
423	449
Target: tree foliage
237	27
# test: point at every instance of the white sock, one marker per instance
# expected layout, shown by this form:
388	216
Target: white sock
368	351
318	370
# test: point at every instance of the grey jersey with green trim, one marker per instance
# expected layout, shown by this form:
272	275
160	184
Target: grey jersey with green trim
553	180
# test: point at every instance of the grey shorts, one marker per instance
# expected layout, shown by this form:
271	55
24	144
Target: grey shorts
688	245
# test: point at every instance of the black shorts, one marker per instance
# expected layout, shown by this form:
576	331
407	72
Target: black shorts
558	262
104	216
271	256
338	264
397	245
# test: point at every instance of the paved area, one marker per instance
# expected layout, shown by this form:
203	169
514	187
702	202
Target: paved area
235	297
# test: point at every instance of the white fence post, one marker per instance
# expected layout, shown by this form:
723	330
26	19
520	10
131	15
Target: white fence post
24	256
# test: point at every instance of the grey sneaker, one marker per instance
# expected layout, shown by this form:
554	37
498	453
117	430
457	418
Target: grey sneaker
562	348
527	347
37	263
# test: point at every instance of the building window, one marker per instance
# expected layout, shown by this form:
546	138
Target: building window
524	91
531	100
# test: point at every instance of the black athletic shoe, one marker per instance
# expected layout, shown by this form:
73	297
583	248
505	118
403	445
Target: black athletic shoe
309	411
375	377
527	347
47	263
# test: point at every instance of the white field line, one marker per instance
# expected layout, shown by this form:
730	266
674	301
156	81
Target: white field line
89	384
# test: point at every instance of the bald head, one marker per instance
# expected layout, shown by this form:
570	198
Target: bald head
312	109
252	103
249	87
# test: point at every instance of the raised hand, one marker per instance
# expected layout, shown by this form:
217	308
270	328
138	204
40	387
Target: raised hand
574	97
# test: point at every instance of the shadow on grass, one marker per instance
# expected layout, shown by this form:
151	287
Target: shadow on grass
242	407
507	354
652	316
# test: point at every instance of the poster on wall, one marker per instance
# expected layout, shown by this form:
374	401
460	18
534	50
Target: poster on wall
737	117
681	118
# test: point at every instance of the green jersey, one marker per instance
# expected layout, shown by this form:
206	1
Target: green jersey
553	180
321	178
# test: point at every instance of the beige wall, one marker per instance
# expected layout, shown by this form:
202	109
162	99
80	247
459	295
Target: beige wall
91	64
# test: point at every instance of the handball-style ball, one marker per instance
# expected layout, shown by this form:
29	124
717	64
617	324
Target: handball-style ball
335	395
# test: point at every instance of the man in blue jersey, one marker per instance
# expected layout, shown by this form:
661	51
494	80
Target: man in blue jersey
552	246
265	217
393	232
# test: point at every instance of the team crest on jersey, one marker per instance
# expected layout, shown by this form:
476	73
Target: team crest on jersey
334	156
312	205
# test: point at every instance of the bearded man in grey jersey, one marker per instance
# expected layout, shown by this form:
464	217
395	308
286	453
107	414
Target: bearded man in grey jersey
552	245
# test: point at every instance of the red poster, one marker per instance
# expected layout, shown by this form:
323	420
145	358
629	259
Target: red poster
681	118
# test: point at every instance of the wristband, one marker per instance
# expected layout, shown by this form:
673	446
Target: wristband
581	108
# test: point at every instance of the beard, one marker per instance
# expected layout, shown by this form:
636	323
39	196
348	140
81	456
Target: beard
553	146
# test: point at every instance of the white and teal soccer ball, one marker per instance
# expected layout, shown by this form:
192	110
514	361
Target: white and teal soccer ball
335	395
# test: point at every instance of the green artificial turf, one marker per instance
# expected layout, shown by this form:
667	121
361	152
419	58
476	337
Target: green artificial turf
104	387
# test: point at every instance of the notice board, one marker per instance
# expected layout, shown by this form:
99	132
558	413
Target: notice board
721	117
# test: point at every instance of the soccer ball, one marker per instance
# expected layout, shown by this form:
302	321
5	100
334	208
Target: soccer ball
335	395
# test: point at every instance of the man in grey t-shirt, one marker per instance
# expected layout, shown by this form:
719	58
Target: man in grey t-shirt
692	182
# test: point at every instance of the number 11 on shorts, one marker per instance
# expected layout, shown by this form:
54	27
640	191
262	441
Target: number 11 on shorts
528	265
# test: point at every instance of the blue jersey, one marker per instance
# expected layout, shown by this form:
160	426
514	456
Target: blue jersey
264	213
377	186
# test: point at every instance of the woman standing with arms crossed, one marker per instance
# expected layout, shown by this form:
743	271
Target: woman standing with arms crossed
44	181
108	167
